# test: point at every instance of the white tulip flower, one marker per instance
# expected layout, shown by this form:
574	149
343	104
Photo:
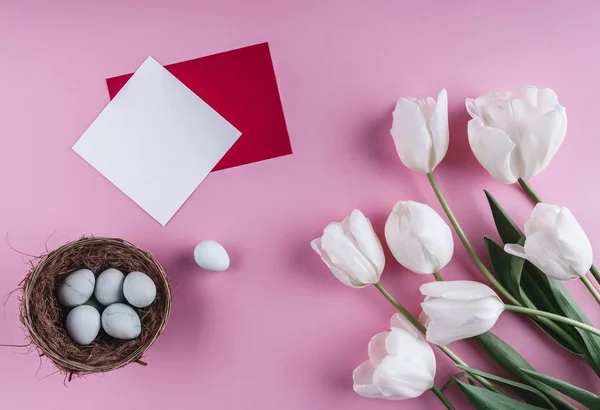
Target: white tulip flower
352	251
555	243
420	131
456	310
515	134
418	237
401	364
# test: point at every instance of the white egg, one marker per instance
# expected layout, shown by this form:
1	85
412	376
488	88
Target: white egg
211	255
76	288
109	287
121	322
83	324
139	289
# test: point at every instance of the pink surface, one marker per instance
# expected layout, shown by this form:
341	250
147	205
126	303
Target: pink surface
277	331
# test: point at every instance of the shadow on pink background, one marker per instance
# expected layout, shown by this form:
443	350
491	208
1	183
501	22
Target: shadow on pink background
276	330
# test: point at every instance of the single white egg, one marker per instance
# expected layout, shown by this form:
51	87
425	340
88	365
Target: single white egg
83	324
121	321
139	289
211	255
76	288
109	287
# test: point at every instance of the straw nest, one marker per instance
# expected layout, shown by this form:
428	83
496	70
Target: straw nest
44	318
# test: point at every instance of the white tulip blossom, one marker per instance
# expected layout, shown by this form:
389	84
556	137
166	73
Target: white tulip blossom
555	243
418	237
455	310
352	251
515	134
420	131
401	364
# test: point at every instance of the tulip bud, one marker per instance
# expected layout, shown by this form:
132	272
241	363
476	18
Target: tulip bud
418	237
352	251
420	131
515	134
555	243
455	310
401	364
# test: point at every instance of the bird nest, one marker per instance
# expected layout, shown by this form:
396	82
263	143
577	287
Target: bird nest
44	319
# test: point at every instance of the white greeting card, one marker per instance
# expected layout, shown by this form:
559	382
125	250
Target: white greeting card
156	141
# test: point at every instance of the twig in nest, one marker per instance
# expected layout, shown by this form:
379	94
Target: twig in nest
18	251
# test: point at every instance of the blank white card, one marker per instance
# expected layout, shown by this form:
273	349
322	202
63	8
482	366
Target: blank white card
156	141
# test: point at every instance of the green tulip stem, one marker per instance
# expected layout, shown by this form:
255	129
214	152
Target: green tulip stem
529	191
437	276
591	288
423	330
552	316
465	241
401	308
442	398
595	273
536	198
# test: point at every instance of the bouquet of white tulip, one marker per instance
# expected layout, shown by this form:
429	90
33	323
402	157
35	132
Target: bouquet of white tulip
514	135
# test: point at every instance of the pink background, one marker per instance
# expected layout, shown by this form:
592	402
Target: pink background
277	330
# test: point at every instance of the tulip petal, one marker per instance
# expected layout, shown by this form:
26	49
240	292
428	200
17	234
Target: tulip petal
338	273
442	335
366	239
473	110
400	322
457	290
398	380
539	138
458	313
519	251
424	319
363	381
574	244
527	93
543	216
377	350
477	107
411	135
438	126
547	100
433	234
493	149
418	237
413	349
404	243
499	115
343	253
544	244
547	135
526	157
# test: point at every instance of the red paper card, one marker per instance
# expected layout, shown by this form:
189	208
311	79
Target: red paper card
241	86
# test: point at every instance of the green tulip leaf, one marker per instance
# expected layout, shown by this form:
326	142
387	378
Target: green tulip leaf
504	267
509	231
483	399
511	361
573	311
588	399
527	393
456	378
